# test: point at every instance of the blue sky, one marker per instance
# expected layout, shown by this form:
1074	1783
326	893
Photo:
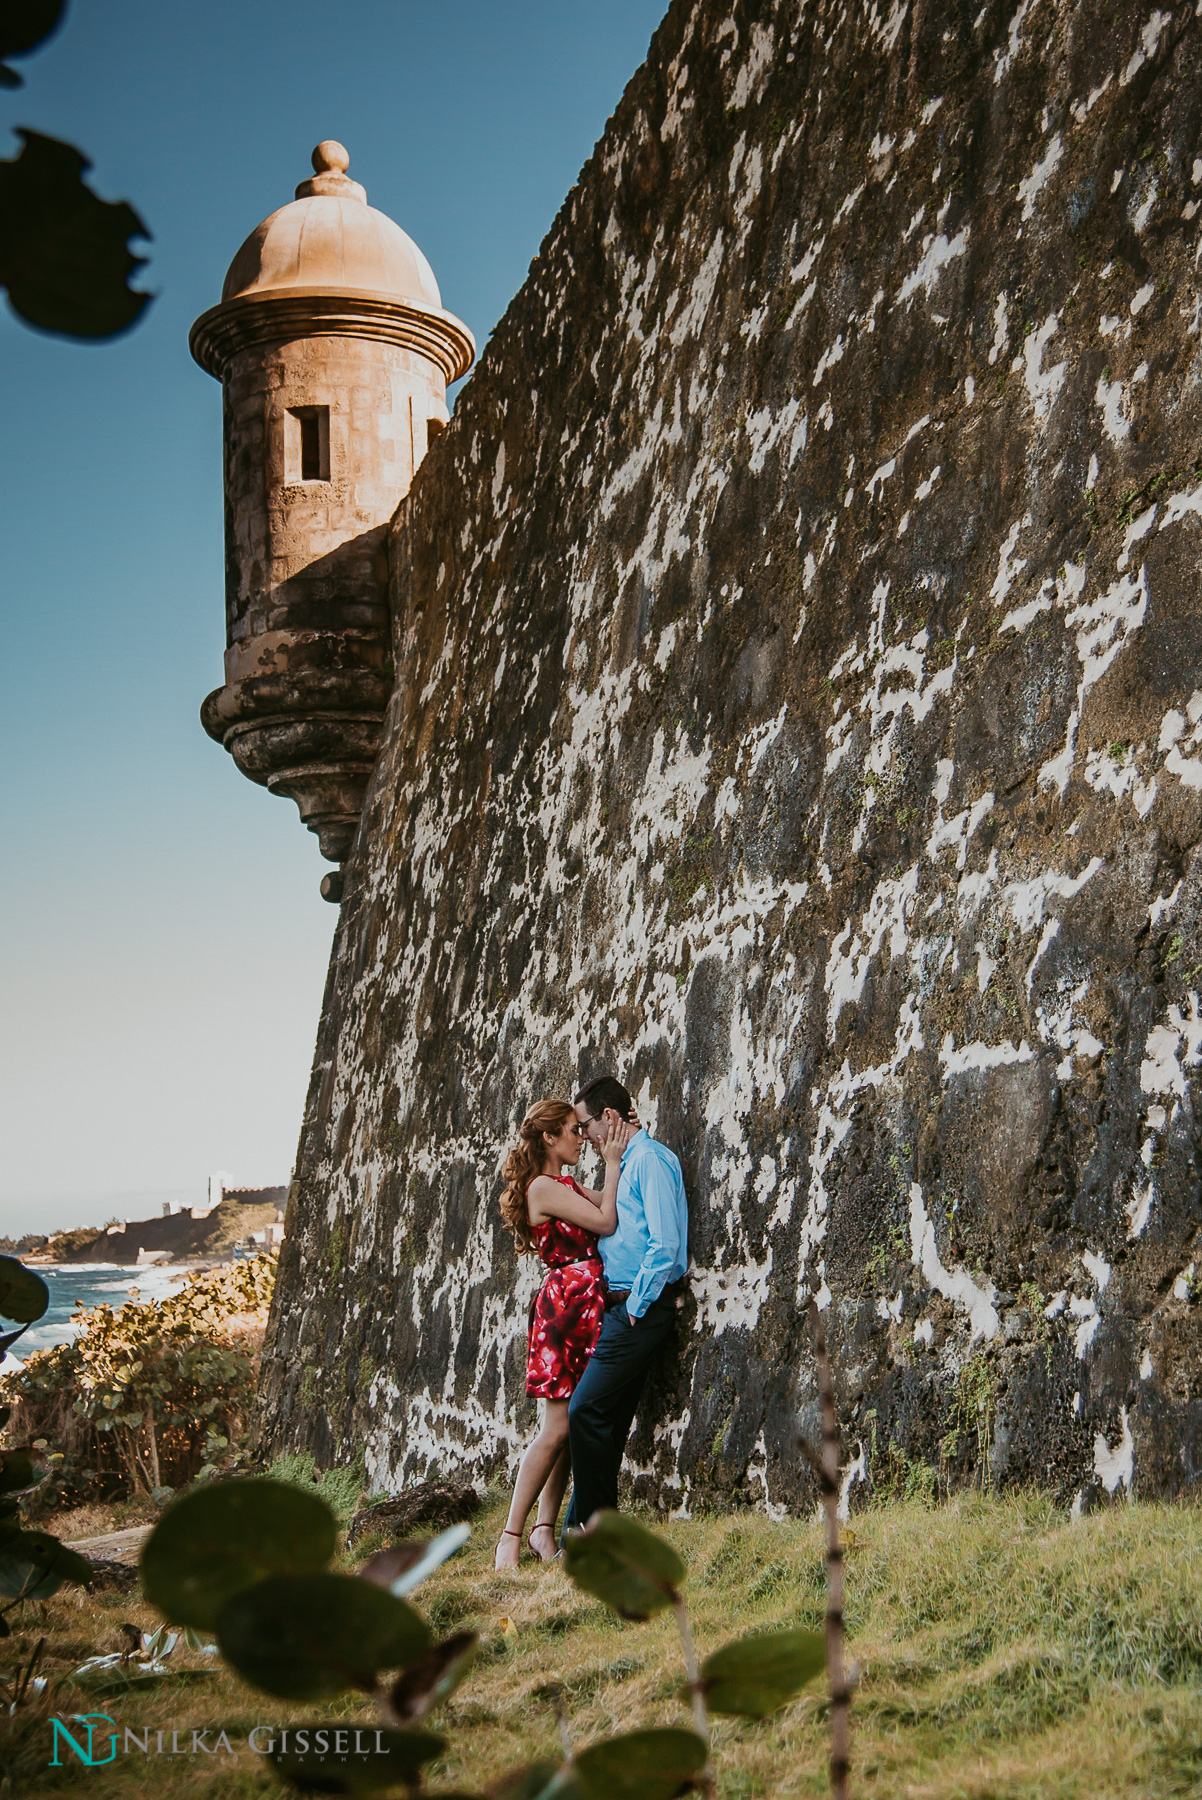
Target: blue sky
164	943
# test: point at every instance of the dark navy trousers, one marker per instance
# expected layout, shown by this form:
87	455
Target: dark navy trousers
601	1411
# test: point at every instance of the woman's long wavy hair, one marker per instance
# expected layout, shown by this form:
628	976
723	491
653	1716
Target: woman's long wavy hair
527	1159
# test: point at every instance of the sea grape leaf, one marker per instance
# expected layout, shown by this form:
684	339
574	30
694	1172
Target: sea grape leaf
64	252
755	1675
21	1579
641	1765
42	1548
436	1674
624	1564
395	1762
17	1473
24	24
215	1541
24	1296
303	1637
34	1565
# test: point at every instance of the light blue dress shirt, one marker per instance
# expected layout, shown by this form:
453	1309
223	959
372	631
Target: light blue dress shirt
650	1247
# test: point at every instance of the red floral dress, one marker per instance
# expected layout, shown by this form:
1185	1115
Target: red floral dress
565	1319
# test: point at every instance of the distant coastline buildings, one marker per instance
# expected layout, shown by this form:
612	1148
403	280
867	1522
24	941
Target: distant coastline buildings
236	1218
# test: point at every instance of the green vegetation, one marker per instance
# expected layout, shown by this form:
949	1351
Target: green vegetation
1000	1650
247	1559
1004	1653
146	1398
336	1251
896	1476
339	1488
31	1562
973	1416
1030	1297
310	1384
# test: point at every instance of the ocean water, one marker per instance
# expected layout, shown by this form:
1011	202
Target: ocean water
95	1284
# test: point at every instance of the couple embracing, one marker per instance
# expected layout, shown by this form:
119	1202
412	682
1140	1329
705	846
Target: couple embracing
614	1257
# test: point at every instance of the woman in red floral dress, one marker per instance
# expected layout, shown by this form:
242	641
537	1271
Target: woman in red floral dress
551	1215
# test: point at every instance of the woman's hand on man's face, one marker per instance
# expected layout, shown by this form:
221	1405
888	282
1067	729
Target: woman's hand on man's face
618	1133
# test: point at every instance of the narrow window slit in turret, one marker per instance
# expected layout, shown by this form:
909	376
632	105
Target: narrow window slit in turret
308	447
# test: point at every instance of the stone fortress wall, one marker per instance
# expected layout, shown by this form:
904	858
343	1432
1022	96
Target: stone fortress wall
799	710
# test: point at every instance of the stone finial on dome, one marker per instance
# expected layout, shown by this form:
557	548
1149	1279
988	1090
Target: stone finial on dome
330	162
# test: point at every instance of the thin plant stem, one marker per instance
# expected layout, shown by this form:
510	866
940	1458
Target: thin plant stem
561	1725
828	1469
154	1446
701	1718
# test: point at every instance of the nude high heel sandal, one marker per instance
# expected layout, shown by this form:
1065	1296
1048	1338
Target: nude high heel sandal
544	1526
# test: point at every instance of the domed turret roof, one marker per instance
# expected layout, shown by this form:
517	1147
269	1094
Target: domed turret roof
330	265
330	238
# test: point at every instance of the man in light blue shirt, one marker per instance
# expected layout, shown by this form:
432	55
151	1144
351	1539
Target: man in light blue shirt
644	1260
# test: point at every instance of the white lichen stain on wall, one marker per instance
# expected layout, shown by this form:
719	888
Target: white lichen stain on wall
1031	186
957	1286
1117	1465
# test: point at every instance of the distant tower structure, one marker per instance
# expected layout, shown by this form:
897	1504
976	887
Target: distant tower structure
334	352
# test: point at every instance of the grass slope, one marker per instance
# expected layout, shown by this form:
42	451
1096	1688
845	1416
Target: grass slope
1003	1652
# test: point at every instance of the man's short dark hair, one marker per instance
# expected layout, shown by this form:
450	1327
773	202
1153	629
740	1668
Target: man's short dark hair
604	1091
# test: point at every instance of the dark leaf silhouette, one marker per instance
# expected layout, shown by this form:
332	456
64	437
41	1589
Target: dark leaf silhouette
34	1565
17	1473
304	1637
404	1566
64	252
24	1296
216	1541
24	24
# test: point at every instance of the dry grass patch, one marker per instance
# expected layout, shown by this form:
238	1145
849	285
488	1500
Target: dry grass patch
1004	1653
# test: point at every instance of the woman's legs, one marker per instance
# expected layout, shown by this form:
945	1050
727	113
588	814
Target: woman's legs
544	1465
549	1503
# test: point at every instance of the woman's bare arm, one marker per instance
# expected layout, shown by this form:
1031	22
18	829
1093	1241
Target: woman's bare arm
551	1199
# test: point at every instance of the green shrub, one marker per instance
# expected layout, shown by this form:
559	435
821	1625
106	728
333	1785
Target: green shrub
145	1398
339	1488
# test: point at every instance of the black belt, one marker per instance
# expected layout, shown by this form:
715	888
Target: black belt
619	1296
